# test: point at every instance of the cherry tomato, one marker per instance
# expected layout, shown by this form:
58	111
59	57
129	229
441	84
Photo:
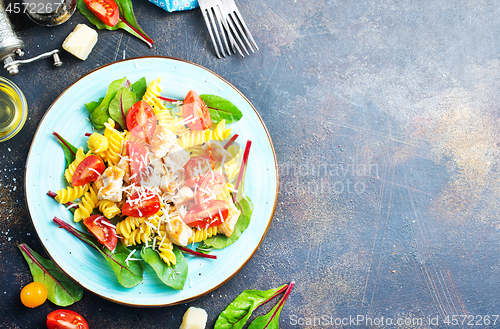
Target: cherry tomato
103	230
143	205
141	120
214	214
209	185
195	106
33	294
106	10
87	171
139	160
197	166
66	319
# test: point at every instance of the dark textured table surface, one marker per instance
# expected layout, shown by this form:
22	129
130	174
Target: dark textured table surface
384	117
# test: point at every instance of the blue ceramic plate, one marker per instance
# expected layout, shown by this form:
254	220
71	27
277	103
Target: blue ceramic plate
46	163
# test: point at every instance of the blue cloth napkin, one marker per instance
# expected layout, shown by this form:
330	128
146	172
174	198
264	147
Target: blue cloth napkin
175	5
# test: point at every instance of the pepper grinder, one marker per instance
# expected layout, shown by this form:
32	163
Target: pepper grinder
11	46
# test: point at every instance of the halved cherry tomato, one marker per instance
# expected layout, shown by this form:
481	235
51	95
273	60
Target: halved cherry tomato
106	10
33	294
141	120
209	185
197	166
87	171
66	319
214	214
103	230
137	206
195	106
139	160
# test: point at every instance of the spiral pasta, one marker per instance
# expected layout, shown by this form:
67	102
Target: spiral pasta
70	193
151	97
142	234
98	144
70	171
127	225
192	138
87	204
165	249
200	235
115	140
108	208
225	194
219	132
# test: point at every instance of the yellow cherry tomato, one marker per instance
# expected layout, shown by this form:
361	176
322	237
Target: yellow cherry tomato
34	294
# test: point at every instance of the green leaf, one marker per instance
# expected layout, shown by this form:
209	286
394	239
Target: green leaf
139	88
221	109
68	149
91	106
221	241
61	290
271	319
124	98
239	311
126	22
173	276
129	275
100	114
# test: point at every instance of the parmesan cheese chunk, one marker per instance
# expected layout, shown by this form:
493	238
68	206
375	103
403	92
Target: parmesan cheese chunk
81	41
194	318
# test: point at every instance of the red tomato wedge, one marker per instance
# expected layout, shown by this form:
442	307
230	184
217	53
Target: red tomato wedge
214	214
106	10
141	120
139	160
87	171
143	205
197	166
195	107
66	319
208	186
103	230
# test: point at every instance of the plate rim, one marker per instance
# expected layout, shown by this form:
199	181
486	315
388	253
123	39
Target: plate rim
184	300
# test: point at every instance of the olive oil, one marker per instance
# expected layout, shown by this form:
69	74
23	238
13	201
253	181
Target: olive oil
13	109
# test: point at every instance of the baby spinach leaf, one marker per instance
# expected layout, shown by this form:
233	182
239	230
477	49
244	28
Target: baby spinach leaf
68	149
271	319
91	106
61	290
239	311
126	22
173	276
100	114
221	109
124	99
139	88
221	241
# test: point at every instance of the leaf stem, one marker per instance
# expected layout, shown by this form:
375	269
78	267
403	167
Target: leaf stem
166	99
72	230
143	36
70	205
282	301
190	251
231	141
88	134
63	141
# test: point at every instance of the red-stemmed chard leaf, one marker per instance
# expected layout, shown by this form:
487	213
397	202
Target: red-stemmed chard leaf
69	150
61	290
271	319
196	253
69	205
231	141
170	100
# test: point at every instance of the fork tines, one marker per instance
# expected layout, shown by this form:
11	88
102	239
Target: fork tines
216	24
238	27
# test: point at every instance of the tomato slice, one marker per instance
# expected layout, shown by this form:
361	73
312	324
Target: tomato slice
141	120
87	171
139	161
103	230
194	106
106	10
208	186
197	166
214	214
66	319
142	206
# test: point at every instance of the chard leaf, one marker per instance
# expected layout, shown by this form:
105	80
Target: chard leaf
173	276
126	22
124	98
271	319
61	290
139	88
68	149
91	106
221	109
221	241
100	114
239	311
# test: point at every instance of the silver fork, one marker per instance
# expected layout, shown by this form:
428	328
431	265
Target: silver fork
216	24
238	27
